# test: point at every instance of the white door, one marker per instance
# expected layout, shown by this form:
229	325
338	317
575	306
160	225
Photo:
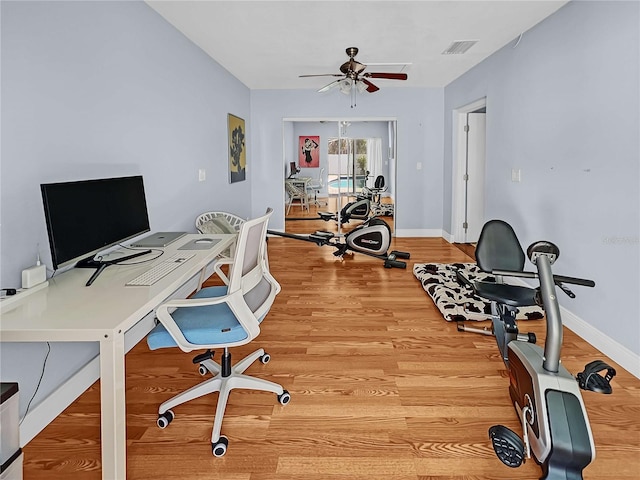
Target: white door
475	177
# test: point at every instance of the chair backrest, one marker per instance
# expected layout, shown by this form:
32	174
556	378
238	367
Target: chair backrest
249	274
293	190
232	220
321	178
379	182
498	248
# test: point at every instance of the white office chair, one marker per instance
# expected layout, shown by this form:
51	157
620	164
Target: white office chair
220	222
223	317
296	193
203	220
315	185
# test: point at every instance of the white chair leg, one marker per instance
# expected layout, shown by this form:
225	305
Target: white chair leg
204	388
212	366
253	383
247	361
220	408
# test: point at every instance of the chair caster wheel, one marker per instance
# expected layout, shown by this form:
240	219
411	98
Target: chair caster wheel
265	358
507	445
164	419
202	370
220	448
284	398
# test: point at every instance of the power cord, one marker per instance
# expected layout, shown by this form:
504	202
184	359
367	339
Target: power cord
142	261
44	366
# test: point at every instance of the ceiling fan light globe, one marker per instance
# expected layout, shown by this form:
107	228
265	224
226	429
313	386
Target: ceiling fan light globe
361	86
345	86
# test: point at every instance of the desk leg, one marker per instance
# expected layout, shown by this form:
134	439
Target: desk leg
113	423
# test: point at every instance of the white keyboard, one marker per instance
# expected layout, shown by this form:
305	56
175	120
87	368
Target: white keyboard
160	270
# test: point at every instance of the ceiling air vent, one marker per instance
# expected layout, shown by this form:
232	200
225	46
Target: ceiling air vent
460	47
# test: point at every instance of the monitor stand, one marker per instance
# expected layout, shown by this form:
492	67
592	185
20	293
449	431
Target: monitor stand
100	265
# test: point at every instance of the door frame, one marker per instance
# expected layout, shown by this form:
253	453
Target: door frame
338	120
459	157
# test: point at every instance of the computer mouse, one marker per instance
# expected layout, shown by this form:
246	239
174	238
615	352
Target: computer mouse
204	241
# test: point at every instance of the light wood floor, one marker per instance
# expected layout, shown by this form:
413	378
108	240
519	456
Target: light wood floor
382	388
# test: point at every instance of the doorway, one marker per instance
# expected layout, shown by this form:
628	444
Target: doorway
351	151
468	172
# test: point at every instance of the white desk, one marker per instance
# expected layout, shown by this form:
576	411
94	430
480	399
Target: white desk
69	312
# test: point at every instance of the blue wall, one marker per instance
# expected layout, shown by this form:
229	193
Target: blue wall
99	89
95	89
418	112
563	106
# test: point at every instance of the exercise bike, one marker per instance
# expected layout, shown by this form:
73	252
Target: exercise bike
498	248
372	238
545	395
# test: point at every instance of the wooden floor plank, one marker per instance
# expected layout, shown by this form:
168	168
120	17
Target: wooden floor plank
382	388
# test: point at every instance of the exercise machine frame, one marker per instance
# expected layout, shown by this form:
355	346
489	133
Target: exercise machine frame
546	397
372	238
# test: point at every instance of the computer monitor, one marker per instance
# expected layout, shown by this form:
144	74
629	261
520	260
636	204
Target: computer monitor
293	169
88	216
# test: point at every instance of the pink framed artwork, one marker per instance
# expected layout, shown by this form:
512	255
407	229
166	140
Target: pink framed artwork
308	151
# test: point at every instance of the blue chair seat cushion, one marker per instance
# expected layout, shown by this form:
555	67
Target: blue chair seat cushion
208	325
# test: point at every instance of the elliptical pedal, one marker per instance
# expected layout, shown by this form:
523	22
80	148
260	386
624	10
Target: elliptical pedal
508	446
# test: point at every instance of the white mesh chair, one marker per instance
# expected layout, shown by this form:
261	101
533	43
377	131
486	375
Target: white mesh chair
315	185
220	222
296	193
233	220
222	317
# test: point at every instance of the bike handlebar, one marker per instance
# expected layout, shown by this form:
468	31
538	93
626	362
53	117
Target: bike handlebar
556	278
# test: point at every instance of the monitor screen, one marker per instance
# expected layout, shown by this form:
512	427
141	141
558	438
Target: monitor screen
88	216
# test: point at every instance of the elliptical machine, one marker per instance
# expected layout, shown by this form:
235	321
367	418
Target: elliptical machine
545	395
359	209
371	238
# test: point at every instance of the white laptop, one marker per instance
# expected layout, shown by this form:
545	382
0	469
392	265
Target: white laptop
158	239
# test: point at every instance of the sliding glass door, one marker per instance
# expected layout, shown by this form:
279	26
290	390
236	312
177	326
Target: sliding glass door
348	165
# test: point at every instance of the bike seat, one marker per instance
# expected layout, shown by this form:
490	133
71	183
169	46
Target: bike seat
326	216
512	295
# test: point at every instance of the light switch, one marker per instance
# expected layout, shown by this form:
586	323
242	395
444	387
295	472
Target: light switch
419	166
202	175
515	175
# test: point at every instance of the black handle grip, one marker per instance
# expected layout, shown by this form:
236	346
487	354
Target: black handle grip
557	278
576	281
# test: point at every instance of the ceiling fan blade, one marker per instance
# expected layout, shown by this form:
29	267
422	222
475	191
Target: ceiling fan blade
370	86
322	75
390	76
329	86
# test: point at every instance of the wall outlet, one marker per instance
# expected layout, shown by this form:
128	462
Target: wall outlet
202	175
515	175
419	166
33	276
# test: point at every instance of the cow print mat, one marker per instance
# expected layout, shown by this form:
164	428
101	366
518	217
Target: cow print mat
457	302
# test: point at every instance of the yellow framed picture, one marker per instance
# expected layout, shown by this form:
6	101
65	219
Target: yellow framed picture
237	149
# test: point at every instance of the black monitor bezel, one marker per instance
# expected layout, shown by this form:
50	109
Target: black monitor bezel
53	235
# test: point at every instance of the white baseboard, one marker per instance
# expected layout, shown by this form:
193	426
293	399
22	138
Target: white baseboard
447	236
54	404
612	349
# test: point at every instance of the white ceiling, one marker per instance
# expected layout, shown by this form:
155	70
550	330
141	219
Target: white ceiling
267	44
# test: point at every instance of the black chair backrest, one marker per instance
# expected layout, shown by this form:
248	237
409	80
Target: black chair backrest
379	183
498	248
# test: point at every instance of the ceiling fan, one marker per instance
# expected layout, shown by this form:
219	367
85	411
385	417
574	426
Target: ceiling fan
354	78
